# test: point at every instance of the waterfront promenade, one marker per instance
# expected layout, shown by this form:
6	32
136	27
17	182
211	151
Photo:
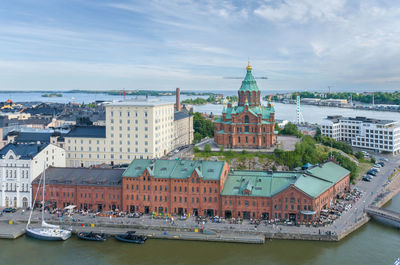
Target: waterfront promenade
376	192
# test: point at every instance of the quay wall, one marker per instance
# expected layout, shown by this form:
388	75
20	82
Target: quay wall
362	221
212	233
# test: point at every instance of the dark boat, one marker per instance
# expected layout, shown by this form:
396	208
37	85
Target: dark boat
130	237
92	236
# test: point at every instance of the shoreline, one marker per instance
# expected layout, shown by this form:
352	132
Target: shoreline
342	107
14	227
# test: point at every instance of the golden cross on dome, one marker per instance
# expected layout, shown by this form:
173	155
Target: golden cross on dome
248	66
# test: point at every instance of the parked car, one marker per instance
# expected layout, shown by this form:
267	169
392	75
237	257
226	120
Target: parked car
377	165
369	176
9	210
366	178
375	169
371	172
383	159
381	163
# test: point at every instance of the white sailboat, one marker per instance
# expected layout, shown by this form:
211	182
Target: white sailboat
46	231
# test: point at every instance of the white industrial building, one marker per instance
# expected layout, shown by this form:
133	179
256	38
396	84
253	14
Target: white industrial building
362	132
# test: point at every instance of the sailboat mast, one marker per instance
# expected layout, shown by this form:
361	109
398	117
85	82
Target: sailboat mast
34	201
44	184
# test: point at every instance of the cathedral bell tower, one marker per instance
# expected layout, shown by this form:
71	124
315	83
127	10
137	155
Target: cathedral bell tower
249	90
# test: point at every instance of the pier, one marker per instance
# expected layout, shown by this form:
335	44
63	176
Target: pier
11	230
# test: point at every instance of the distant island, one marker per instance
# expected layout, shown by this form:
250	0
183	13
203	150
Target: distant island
52	95
211	99
113	92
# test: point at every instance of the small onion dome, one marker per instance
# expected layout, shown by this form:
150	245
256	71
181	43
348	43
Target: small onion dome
249	68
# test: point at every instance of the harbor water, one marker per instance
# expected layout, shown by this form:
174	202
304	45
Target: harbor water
311	114
373	244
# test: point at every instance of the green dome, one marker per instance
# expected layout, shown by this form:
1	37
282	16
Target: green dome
249	83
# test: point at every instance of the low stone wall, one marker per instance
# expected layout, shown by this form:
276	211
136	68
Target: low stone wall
362	221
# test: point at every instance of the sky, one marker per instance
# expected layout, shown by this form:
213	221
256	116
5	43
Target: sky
163	44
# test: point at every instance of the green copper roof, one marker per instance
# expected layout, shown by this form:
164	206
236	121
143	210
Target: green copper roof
260	184
265	111
312	186
264	184
249	83
329	171
176	169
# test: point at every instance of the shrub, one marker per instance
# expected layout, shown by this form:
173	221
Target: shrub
359	155
207	148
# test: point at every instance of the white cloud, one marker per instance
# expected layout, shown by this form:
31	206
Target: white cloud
301	10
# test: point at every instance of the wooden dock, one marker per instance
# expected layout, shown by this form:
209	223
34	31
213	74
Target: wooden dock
11	230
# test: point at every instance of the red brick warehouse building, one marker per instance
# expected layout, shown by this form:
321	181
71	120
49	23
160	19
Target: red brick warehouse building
174	186
295	195
97	189
205	188
249	124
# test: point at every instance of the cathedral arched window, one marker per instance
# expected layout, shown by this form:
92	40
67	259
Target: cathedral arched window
246	119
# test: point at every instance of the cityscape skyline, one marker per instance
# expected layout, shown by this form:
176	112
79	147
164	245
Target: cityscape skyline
193	45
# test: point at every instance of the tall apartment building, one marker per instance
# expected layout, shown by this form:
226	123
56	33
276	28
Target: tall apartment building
362	132
183	128
134	129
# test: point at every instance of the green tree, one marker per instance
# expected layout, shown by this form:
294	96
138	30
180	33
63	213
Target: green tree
373	160
359	155
207	148
291	129
202	127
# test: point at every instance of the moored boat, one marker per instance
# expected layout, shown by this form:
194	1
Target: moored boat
130	237
46	231
92	236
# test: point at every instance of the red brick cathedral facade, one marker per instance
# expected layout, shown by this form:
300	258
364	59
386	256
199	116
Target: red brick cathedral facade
249	124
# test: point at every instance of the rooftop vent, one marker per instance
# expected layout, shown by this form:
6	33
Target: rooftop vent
210	170
236	188
138	168
258	188
163	169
